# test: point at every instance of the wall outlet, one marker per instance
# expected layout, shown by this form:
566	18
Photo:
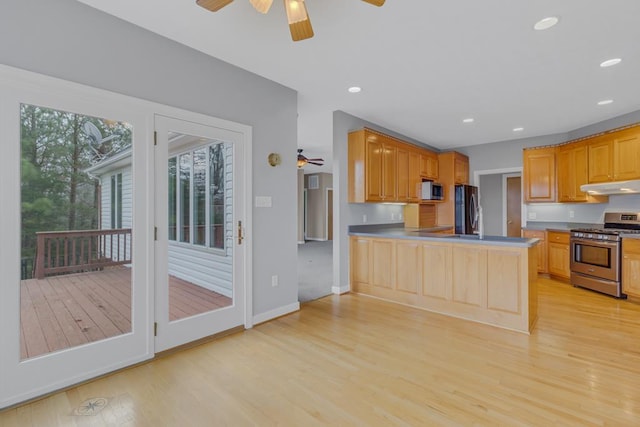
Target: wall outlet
532	215
572	214
400	216
274	280
364	218
393	216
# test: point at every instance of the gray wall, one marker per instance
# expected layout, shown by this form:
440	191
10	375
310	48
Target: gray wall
346	214
317	206
72	41
508	154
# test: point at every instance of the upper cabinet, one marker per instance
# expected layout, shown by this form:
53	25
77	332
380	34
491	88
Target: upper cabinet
454	169
572	172
460	168
384	169
614	156
539	172
428	165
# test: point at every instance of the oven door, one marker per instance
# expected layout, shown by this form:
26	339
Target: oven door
596	258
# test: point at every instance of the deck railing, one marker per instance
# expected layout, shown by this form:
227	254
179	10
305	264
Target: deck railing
84	250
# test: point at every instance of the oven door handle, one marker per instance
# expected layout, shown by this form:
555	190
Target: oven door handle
595	242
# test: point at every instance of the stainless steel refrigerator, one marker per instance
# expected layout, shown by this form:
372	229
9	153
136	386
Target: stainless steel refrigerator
467	209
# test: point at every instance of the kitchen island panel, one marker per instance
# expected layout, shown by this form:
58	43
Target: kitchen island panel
503	279
437	271
489	284
470	275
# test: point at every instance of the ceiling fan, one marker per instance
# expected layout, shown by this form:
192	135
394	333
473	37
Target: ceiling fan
303	160
299	22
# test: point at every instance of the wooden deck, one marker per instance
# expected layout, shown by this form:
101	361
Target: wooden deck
66	311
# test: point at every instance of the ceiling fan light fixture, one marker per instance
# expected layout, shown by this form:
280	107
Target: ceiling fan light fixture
299	22
213	5
375	2
262	6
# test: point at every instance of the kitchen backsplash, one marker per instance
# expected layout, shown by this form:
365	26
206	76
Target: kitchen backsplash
582	212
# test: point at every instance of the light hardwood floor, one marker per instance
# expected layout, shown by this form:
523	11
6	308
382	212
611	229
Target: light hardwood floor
355	360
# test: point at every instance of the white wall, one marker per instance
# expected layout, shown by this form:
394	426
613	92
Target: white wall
72	41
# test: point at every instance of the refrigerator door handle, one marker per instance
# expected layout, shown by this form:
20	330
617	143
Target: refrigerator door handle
473	211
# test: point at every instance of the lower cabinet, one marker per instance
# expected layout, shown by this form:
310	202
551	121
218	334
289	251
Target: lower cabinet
541	247
483	283
631	267
559	257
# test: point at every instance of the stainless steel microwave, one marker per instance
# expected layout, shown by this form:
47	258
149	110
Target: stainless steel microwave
432	191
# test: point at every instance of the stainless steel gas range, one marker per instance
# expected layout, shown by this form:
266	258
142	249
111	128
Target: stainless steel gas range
596	253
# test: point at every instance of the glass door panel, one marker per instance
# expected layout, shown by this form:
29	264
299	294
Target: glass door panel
197	257
76	229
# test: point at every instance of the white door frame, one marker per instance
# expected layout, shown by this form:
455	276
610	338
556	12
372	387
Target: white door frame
23	380
178	332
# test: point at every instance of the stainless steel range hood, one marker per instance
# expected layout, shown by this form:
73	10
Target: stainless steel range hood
616	187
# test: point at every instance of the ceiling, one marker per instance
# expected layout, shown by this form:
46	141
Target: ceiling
424	65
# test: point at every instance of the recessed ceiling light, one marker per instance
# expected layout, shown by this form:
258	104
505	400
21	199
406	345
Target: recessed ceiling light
518	129
354	89
605	102
546	23
468	120
610	62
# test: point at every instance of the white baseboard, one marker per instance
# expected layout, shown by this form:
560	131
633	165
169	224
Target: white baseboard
272	314
301	242
339	290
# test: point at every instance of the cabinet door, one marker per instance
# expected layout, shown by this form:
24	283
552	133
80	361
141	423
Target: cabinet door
559	257
403	175
390	172
626	155
429	165
572	172
382	263
461	169
360	249
631	267
565	176
600	160
373	170
541	248
415	181
539	167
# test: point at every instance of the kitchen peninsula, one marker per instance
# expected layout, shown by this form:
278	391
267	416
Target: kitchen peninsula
490	280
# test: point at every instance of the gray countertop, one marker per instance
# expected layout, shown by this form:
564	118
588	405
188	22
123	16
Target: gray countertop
397	231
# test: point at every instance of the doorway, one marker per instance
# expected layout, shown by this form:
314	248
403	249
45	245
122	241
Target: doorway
199	257
513	203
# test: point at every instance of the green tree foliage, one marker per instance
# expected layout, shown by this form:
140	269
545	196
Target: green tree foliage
56	193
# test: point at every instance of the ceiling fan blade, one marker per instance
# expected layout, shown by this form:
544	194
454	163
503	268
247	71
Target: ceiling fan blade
262	6
299	22
375	2
316	160
315	163
213	5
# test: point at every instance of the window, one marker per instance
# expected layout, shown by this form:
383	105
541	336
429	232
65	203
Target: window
197	197
116	201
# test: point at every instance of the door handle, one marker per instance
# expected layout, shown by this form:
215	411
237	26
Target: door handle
240	236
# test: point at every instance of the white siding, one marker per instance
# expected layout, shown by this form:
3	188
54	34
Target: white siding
208	268
127	207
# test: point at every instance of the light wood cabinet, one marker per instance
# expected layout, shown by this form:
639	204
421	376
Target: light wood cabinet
559	257
541	248
428	165
631	267
572	172
483	283
408	172
539	174
615	156
454	169
460	168
384	169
